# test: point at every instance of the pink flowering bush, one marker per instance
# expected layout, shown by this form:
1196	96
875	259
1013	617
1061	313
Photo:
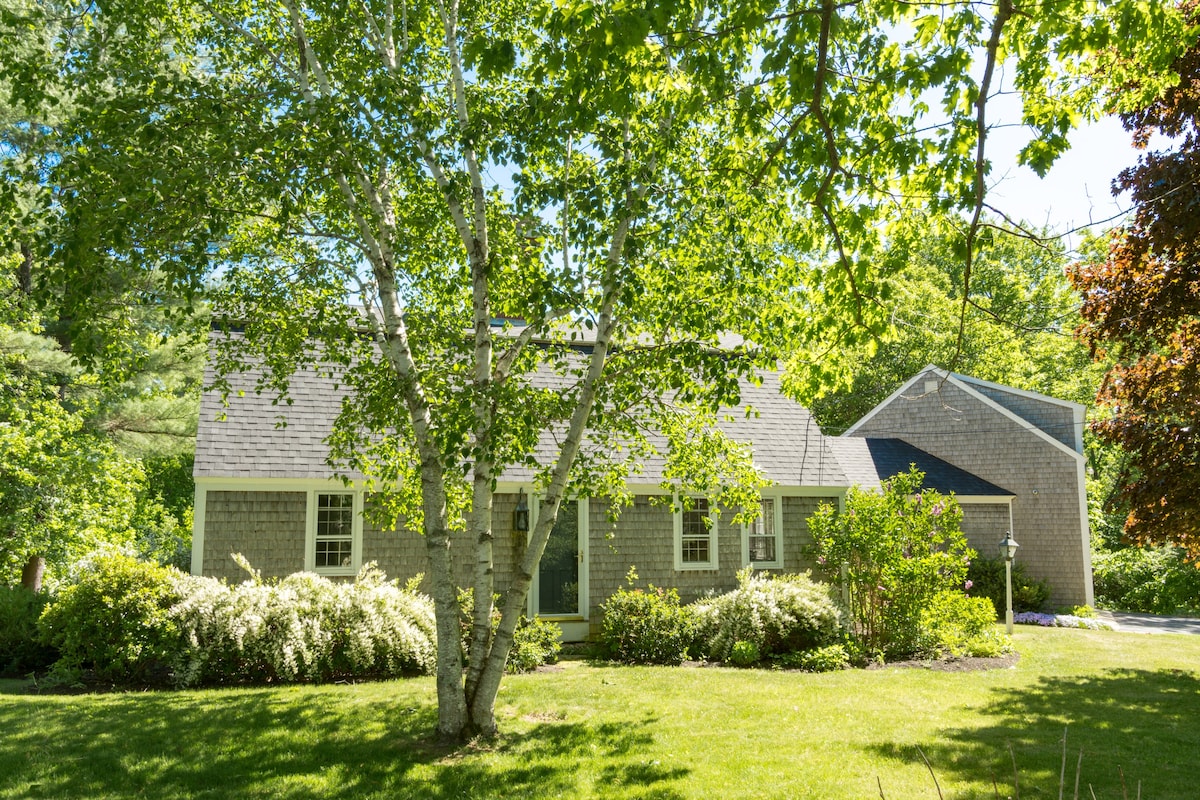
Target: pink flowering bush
900	548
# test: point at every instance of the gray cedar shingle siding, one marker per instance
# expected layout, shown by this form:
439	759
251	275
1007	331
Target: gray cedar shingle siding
796	538
401	553
268	528
952	424
985	525
1056	420
265	527
644	538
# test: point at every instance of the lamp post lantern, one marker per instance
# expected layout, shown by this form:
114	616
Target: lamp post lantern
1008	551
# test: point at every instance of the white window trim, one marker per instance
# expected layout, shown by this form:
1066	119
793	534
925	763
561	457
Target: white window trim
713	552
777	505
310	534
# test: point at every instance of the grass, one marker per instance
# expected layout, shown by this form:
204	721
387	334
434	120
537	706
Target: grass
1130	702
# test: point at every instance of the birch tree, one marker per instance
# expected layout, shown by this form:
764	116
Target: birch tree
563	225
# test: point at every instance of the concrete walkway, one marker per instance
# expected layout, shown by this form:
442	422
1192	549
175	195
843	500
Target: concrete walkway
1150	623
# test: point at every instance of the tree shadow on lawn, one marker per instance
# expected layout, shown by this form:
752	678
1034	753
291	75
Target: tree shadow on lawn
1141	723
273	743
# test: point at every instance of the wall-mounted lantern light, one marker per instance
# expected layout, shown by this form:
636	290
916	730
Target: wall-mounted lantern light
521	513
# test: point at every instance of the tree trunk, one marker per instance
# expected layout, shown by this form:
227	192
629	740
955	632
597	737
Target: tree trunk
452	704
482	708
25	271
32	573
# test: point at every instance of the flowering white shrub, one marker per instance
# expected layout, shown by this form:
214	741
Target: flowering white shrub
777	614
303	628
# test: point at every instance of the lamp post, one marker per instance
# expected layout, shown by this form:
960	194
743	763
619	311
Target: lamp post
1008	551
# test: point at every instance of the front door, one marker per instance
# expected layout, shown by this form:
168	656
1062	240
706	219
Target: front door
558	573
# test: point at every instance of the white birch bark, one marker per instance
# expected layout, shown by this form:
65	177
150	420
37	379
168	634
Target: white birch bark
483	699
373	213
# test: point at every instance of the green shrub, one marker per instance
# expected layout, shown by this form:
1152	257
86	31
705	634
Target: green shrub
1151	580
777	614
1083	612
956	625
830	658
986	578
21	651
303	628
900	547
744	654
535	642
647	627
116	621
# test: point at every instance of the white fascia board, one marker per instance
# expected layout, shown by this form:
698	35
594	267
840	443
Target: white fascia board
642	489
984	499
199	507
1089	591
804	491
502	487
260	484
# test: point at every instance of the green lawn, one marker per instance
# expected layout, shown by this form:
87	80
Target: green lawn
1131	702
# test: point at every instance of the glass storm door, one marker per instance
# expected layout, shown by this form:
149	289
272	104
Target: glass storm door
558	573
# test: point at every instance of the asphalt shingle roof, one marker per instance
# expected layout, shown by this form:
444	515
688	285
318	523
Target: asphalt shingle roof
257	437
867	462
248	440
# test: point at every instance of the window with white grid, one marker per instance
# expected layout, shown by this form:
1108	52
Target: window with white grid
762	545
695	537
334	540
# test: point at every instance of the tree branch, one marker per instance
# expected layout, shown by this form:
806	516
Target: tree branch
1004	10
831	151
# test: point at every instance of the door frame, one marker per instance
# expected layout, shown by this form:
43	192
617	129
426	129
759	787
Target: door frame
575	626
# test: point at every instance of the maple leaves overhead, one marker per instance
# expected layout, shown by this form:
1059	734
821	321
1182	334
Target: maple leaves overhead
1142	308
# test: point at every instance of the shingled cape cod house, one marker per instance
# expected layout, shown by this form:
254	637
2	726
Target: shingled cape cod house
1012	458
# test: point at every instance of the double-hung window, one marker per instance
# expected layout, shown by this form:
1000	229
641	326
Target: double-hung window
334	533
695	537
762	544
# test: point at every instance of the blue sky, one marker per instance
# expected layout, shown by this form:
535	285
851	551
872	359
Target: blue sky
1076	192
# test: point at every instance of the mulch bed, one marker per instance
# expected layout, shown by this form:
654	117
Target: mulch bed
955	664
